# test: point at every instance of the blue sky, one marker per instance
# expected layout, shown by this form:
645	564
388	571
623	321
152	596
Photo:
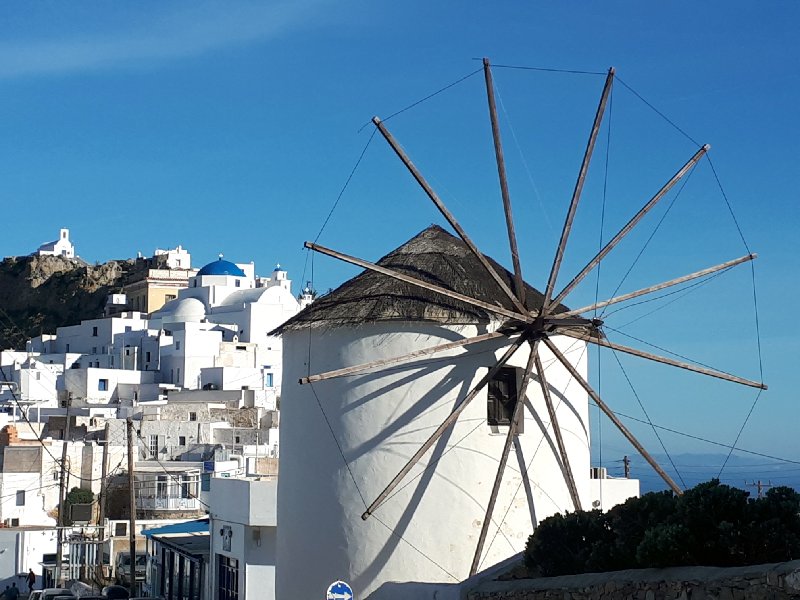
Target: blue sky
231	127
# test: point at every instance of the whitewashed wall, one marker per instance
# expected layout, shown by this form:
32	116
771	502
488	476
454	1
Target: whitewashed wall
380	420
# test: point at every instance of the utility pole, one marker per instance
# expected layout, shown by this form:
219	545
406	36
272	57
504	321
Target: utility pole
62	496
103	504
759	486
132	519
627	464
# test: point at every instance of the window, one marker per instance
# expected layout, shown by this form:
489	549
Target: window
227	578
152	445
94	331
67	348
15	522
269	380
177	345
20	497
502	397
161	486
238	283
102	385
94	349
237	440
188	486
120	529
181	440
146	357
193	416
179	374
169	297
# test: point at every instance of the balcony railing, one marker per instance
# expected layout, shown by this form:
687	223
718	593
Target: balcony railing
167	503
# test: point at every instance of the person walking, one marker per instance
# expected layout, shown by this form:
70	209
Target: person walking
31	579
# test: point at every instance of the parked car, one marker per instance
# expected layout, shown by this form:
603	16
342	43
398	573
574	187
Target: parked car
35	595
53	593
122	567
116	592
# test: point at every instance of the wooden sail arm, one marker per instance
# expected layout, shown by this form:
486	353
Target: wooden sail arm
576	194
613	417
501	467
562	449
494	308
450	420
655	288
446	213
663	359
631	224
395	360
519	283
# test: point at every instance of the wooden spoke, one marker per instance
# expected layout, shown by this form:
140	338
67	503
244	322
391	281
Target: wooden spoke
576	194
655	288
494	308
446	213
664	360
631	224
451	418
562	449
498	479
614	419
519	284
402	359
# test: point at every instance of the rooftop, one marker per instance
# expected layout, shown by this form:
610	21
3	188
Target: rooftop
221	267
434	256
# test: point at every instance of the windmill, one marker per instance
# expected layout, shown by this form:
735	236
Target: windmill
529	320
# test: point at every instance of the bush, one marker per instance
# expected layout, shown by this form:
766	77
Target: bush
564	544
711	524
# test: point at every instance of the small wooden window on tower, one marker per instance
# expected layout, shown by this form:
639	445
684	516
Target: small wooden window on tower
502	398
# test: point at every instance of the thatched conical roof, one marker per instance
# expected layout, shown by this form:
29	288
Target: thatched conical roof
433	255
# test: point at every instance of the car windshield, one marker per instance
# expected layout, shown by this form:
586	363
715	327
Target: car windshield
141	560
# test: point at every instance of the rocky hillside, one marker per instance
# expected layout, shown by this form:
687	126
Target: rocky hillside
40	293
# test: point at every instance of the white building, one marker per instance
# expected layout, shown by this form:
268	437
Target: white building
29	478
23	550
60	247
243	531
173	258
227	309
213	336
428	528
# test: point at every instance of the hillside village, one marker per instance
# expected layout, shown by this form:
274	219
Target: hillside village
186	354
186	367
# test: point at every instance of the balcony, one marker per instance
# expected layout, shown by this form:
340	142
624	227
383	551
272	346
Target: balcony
167	503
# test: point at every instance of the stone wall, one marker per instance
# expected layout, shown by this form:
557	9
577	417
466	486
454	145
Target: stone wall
768	582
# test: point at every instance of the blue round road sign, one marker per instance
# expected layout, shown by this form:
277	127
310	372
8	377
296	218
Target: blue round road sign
339	590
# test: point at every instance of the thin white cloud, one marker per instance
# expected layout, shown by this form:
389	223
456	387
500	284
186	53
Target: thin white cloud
197	29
